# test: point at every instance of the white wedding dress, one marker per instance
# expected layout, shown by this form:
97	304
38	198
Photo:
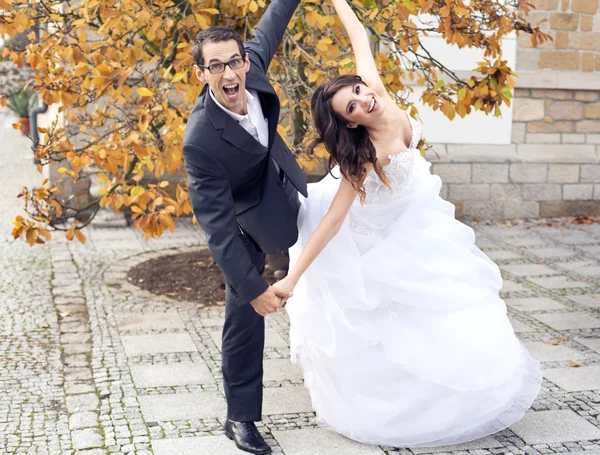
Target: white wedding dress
398	325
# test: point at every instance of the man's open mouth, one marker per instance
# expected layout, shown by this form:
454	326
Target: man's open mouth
231	90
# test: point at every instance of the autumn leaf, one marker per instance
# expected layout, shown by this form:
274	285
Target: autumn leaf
574	365
142	91
126	89
80	236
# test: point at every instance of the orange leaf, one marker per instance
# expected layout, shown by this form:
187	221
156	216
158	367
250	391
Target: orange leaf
573	364
80	236
31	237
143	91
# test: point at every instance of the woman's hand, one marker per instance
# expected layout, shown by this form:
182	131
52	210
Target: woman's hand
285	286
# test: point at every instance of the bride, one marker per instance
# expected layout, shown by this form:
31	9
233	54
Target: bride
395	318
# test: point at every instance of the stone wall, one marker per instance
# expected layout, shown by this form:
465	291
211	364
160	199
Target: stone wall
13	78
552	166
574	26
572	59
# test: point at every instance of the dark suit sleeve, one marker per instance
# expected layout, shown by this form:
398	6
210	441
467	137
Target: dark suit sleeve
269	32
214	209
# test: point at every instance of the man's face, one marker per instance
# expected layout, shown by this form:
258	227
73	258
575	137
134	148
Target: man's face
229	87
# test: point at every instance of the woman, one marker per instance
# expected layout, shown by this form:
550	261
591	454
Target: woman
396	318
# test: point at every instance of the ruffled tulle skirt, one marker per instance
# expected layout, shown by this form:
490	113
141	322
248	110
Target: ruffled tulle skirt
399	328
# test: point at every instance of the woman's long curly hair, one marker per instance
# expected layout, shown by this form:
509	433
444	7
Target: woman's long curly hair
350	148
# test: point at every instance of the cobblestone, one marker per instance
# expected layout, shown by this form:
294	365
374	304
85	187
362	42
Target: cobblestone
75	379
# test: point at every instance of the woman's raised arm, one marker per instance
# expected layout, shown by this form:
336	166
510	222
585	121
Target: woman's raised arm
361	46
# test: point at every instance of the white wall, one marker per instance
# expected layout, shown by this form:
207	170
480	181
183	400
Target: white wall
475	128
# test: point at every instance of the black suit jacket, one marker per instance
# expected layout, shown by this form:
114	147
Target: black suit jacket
234	186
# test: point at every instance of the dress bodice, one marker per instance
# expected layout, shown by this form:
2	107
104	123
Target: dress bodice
400	172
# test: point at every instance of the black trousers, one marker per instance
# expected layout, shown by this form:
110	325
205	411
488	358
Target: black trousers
243	345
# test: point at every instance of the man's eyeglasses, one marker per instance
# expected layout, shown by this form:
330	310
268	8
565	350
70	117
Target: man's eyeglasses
217	68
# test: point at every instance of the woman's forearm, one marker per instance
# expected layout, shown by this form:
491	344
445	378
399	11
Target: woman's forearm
319	239
353	26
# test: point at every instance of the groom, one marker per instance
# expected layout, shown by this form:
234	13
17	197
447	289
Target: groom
244	184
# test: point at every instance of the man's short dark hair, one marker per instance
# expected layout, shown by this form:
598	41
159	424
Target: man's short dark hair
214	35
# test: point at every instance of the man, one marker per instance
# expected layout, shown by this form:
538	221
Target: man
244	184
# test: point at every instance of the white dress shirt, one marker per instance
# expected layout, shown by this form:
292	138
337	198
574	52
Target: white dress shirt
254	121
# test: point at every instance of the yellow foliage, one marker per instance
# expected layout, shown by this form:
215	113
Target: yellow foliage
123	75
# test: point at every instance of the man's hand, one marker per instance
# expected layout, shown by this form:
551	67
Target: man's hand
269	301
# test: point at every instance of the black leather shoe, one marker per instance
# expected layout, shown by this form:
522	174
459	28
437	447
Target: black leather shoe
246	437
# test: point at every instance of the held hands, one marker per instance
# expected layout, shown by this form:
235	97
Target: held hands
285	286
269	301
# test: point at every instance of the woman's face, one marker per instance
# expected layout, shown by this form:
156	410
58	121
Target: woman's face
358	104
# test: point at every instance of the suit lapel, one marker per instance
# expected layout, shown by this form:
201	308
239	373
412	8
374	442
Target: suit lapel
235	134
268	98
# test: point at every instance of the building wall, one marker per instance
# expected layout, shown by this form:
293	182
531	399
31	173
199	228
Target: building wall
551	167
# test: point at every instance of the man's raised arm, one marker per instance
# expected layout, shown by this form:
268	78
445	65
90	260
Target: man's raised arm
269	32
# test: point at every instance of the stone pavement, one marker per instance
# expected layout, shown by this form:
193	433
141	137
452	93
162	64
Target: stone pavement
91	364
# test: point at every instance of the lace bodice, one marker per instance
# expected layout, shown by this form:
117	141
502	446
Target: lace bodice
400	172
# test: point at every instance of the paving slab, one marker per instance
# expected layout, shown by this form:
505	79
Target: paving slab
529	269
86	419
157	344
479	444
534	304
545	352
149	321
272	339
551	252
558	282
171	375
484	242
586	268
103	411
87	438
209	445
524	241
547	427
568	321
575	379
519	326
317	441
501	254
281	369
575	238
511	286
212	322
591	343
590	300
182	406
286	400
